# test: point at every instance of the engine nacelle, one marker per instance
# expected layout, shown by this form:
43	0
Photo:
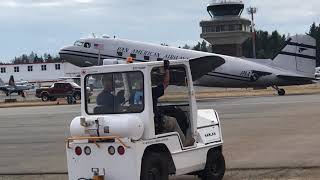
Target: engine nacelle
123	126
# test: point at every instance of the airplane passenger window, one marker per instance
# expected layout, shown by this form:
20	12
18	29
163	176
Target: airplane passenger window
87	45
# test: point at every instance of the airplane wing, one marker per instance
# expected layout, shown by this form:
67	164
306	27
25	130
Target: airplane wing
203	65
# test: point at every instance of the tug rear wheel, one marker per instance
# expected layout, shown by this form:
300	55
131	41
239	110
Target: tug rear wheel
215	166
154	167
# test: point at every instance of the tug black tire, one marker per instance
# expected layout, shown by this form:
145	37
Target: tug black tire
154	167
215	166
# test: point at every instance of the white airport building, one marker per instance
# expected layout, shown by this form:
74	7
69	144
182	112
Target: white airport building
38	72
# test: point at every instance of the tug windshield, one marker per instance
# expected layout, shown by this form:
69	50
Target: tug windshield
115	93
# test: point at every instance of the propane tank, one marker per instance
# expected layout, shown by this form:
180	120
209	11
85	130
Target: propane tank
130	126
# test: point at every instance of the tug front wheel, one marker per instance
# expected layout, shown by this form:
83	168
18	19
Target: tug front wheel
154	167
215	166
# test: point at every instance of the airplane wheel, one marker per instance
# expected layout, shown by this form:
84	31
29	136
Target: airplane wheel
7	94
281	92
215	166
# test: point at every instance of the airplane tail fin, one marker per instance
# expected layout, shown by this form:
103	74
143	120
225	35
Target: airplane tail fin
11	81
298	55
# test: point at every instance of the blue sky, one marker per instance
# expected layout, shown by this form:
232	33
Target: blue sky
47	25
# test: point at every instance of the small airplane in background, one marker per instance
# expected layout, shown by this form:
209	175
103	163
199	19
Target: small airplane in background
293	65
13	87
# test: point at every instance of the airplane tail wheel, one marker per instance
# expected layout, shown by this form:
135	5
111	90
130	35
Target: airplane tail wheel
215	166
281	92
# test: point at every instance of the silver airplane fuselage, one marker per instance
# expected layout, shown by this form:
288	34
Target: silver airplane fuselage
234	73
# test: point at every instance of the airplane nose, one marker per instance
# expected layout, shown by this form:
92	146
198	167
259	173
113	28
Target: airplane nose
65	54
65	49
77	56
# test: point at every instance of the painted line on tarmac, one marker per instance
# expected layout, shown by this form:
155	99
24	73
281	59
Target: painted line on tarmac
266	103
274	168
219	104
33	174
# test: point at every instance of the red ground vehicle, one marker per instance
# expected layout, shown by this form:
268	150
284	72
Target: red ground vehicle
59	90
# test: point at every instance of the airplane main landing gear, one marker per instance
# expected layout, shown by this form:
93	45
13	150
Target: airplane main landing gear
281	92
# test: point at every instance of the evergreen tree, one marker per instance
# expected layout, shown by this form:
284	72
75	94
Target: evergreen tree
49	58
203	46
186	46
197	47
314	32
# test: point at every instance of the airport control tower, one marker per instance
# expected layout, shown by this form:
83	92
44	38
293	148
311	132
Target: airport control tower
226	31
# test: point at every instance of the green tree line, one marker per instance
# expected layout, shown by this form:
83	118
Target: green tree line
35	58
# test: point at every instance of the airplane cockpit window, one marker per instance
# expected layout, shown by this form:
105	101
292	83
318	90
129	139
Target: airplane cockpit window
87	45
78	43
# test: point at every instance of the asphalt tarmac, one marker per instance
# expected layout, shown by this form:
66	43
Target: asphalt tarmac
259	132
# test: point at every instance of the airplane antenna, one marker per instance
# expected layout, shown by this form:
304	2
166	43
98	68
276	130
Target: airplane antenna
94	36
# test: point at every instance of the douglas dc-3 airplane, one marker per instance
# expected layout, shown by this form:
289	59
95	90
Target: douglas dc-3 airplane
293	65
13	87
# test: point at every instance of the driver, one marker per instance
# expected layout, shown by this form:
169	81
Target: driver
165	123
106	98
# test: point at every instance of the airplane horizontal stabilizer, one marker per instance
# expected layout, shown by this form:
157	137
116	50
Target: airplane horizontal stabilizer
203	65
